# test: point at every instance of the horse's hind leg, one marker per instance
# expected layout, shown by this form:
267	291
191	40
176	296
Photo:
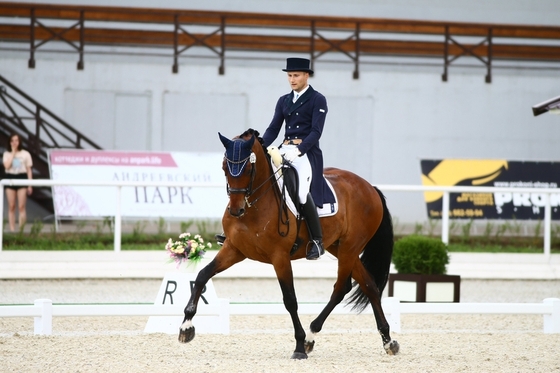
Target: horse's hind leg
368	286
225	259
341	287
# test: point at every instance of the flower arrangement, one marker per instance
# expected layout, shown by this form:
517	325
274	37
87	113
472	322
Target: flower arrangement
187	249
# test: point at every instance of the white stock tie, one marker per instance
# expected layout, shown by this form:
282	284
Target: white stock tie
296	96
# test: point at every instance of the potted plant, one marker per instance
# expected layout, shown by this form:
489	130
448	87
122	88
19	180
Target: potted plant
421	265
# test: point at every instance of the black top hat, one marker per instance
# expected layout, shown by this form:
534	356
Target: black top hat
298	64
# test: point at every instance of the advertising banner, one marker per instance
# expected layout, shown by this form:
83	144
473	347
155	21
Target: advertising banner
141	201
497	173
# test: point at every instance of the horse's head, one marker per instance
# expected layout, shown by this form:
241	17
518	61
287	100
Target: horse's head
239	167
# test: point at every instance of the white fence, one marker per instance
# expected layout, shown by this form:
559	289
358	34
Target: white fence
43	311
446	190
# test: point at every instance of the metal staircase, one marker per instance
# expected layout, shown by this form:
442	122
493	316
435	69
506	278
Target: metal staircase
39	130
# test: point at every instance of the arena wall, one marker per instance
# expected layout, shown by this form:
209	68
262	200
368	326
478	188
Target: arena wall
379	126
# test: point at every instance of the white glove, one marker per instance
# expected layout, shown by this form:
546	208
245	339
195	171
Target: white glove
291	155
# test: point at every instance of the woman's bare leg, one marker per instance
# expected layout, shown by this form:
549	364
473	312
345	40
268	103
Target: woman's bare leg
11	197
22	201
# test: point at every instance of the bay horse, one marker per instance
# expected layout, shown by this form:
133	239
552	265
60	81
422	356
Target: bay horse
360	235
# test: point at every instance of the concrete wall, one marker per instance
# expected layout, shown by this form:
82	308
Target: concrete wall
379	126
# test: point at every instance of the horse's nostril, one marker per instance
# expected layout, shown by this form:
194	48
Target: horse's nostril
236	213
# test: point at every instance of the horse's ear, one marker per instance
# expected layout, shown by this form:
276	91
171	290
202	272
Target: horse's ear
224	140
249	143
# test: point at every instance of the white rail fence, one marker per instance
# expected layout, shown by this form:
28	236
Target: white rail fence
544	193
43	311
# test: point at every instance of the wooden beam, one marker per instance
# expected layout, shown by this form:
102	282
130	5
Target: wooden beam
238	19
226	31
295	44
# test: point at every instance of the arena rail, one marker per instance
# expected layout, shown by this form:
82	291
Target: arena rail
43	311
445	190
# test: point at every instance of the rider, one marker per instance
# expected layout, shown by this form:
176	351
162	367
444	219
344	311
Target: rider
304	110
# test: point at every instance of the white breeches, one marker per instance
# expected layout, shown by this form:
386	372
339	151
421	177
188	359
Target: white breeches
303	167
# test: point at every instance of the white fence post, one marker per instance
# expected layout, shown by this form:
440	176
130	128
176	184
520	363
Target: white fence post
547	226
445	218
223	318
392	309
43	323
552	321
118	219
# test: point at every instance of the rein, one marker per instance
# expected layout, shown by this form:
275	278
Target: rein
249	191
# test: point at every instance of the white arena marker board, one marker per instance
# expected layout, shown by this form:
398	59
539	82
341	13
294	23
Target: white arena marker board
212	315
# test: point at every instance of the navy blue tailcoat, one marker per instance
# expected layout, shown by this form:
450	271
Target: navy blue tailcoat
304	120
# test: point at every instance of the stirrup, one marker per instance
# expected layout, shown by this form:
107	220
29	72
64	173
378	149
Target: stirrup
316	250
220	238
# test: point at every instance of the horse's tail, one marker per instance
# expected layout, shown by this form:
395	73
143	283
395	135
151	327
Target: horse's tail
376	258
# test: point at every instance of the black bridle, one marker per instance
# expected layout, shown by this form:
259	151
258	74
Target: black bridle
248	191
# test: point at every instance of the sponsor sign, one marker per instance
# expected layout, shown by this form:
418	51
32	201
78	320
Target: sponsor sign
497	173
140	201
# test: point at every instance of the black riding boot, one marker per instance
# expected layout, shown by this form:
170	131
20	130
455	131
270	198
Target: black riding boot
312	218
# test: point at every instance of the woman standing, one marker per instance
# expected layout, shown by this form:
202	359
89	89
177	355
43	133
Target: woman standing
18	165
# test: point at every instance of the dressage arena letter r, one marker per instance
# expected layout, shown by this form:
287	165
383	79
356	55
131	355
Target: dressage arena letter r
170	292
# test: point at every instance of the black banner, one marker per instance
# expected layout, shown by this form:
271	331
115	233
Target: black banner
498	173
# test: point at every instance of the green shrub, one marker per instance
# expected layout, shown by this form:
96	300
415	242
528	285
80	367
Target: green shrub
420	255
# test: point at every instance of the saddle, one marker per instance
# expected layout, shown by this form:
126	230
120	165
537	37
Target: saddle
289	177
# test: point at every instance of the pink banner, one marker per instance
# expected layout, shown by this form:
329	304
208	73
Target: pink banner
112	158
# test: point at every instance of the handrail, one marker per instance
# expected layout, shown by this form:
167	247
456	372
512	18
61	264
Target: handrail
368	36
41	122
446	190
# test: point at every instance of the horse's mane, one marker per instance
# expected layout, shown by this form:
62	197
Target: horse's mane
248	133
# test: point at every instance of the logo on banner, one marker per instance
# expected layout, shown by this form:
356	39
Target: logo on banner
497	173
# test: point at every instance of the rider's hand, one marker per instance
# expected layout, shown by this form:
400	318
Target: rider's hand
291	155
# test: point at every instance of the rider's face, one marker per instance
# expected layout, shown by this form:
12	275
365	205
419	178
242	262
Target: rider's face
298	80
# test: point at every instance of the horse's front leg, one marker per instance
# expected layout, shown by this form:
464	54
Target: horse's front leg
223	260
286	280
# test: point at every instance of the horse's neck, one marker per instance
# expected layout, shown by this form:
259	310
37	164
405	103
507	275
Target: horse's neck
265	176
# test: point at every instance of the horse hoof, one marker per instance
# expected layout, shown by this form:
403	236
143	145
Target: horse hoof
392	348
186	335
309	346
299	356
